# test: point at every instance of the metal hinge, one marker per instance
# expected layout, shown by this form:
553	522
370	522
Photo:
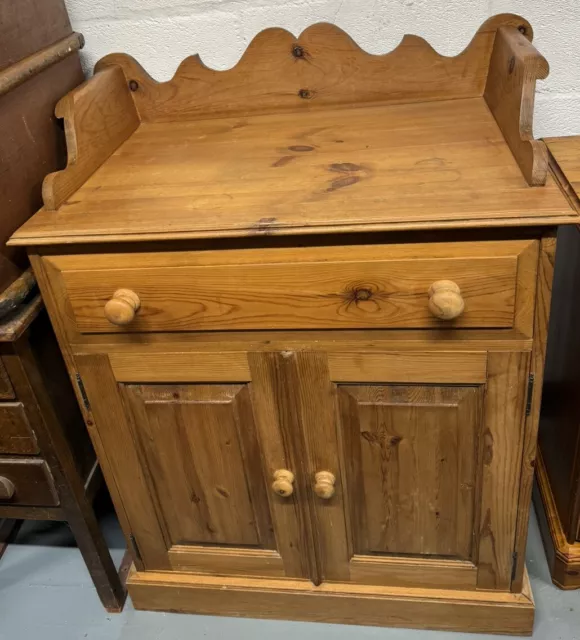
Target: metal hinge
514	565
83	393
136	552
530	394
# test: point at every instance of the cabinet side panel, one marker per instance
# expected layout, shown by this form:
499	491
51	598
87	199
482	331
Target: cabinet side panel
501	458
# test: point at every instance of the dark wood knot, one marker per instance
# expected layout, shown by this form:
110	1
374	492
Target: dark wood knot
511	65
362	294
298	51
305	94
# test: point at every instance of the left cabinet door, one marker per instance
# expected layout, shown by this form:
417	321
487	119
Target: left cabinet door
186	459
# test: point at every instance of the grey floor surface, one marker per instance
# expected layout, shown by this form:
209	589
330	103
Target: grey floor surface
46	593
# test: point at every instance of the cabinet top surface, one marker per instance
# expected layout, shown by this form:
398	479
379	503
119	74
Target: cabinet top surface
565	153
392	167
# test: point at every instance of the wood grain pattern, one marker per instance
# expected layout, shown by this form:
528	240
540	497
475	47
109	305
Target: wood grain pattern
564	155
431	367
277	415
99	116
501	451
16	434
326	287
411	460
171	366
119	453
434	573
192	437
321	68
400	167
31	480
226	562
482	611
510	91
547	259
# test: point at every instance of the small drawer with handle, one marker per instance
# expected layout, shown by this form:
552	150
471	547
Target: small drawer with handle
26	482
401	286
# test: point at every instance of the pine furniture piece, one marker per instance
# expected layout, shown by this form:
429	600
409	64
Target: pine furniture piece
557	492
305	303
48	467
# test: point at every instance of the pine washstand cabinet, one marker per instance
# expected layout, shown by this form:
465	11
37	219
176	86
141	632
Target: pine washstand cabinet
304	303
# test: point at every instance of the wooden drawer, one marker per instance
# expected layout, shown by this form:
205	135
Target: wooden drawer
26	482
16	435
378	286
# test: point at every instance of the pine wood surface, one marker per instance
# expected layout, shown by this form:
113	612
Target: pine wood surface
303	288
426	165
565	155
449	610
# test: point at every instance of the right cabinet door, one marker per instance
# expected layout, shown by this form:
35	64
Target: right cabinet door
429	461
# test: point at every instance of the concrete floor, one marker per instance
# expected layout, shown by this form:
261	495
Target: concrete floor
45	592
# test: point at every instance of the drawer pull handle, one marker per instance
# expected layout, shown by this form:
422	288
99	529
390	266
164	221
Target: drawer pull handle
6	488
122	307
445	301
283	483
324	484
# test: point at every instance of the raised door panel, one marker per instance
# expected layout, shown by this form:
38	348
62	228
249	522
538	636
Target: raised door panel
200	449
411	467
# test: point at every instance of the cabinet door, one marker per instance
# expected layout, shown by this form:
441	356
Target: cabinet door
186	460
426	455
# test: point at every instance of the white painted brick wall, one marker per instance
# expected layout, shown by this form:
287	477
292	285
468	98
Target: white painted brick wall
160	33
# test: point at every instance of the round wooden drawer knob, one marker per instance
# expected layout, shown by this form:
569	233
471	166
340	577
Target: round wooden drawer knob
6	488
324	482
283	483
122	307
445	301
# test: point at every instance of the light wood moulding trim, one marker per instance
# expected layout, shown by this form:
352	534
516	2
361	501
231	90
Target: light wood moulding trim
410	572
180	367
21	71
430	368
510	90
321	68
446	609
220	561
98	117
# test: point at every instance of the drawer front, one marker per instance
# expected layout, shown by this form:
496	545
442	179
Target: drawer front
6	390
378	286
26	482
16	435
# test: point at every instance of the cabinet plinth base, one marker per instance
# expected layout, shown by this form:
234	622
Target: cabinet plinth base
563	557
472	611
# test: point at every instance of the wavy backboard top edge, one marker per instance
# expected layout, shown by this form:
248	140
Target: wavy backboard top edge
490	25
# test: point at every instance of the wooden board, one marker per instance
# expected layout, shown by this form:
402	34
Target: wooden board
479	612
323	287
321	68
410	166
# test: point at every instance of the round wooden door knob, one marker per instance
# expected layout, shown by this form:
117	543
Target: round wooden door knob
324	482
122	307
6	488
283	483
445	301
